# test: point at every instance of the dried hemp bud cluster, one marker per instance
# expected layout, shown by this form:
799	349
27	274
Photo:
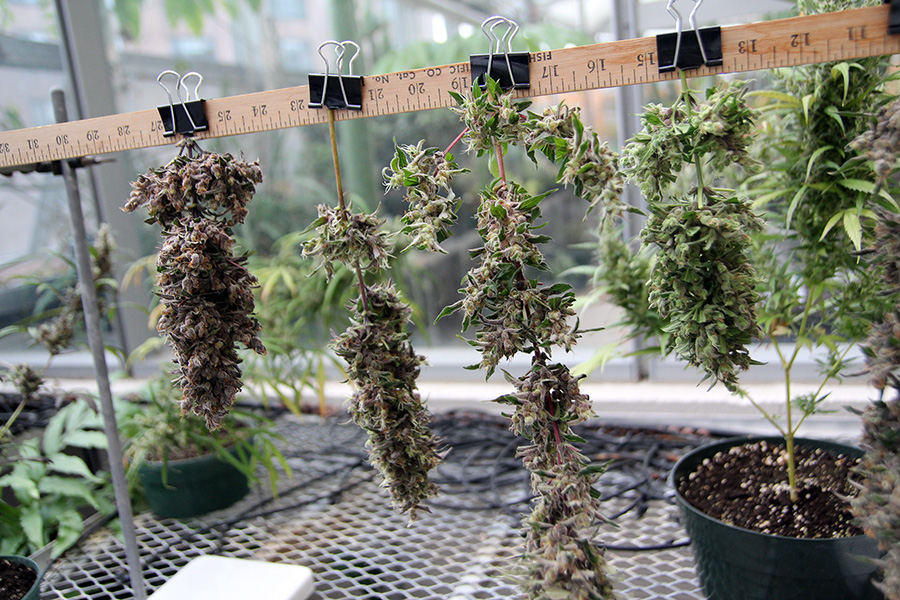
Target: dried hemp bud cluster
493	118
512	312
206	291
386	403
561	560
381	362
881	143
702	284
877	506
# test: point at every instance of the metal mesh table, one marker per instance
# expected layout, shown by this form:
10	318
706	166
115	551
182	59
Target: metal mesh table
333	517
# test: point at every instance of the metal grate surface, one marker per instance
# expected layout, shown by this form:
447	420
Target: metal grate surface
333	518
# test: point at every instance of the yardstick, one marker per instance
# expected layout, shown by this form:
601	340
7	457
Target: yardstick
788	42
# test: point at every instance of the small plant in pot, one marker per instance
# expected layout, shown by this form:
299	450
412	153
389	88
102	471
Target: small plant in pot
20	578
781	271
185	470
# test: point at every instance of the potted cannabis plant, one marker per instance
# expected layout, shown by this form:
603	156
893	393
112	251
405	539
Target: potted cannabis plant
183	469
782	271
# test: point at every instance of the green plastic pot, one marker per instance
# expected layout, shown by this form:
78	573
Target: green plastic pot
738	564
193	486
35	592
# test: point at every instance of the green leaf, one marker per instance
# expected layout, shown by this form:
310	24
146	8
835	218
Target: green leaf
593	469
763	200
493	167
853	228
69	530
831	223
72	465
843	70
812	159
834	113
69	487
779	97
807	101
33	525
795	202
858	185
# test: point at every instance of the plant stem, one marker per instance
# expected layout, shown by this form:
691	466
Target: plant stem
498	151
343	206
698	161
337	163
12	418
456	140
787	366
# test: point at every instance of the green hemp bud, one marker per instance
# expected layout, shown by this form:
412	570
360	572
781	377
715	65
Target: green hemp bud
425	174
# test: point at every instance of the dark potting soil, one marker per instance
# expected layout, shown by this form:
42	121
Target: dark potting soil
15	579
747	487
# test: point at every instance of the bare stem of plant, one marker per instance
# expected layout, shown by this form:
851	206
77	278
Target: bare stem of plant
498	151
343	206
337	164
456	140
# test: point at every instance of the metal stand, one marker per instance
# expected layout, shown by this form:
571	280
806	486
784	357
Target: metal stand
95	340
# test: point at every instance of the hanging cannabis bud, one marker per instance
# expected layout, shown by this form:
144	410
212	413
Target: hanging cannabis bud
352	239
881	143
513	312
714	132
205	290
882	348
585	162
491	117
425	174
510	312
383	367
877	506
380	360
57	334
702	283
561	560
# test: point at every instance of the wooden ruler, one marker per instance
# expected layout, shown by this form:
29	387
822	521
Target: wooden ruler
765	45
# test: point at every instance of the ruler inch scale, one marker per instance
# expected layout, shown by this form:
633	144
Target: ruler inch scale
793	41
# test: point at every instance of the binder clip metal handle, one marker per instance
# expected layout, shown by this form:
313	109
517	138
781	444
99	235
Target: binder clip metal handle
893	16
336	90
516	72
186	116
680	51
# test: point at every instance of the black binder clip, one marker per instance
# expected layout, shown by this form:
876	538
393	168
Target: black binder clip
187	116
893	16
678	51
503	65
336	90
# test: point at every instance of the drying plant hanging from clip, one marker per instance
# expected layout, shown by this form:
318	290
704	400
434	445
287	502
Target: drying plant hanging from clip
205	289
512	312
381	362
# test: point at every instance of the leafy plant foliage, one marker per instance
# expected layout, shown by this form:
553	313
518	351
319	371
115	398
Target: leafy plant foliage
50	484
